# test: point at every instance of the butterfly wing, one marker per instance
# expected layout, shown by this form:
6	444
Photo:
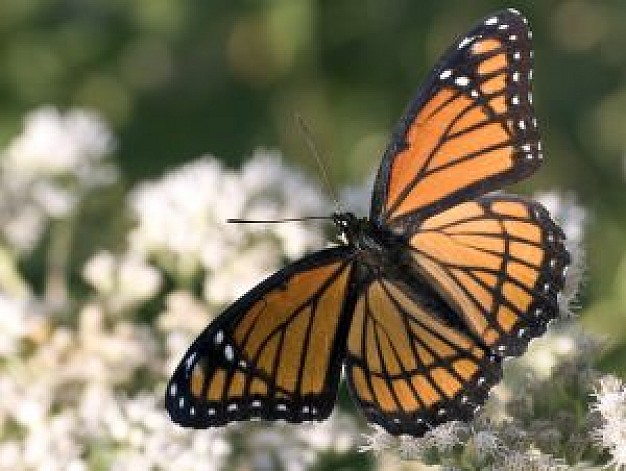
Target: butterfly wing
407	367
274	354
499	262
471	129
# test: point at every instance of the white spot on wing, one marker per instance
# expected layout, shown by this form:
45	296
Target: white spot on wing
466	42
190	359
462	81
491	21
503	27
445	74
229	353
516	76
219	337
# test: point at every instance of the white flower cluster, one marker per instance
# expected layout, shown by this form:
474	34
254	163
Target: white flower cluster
182	221
123	281
610	403
67	406
82	383
46	169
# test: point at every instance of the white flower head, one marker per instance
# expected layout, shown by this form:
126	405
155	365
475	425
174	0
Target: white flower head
610	403
182	221
485	444
53	143
47	168
124	280
530	460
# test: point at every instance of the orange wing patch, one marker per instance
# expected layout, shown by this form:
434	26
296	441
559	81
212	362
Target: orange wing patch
498	262
407	368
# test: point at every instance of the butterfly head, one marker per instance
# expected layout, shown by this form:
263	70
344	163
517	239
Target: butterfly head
348	225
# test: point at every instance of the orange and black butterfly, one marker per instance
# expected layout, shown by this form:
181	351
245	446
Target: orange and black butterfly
428	294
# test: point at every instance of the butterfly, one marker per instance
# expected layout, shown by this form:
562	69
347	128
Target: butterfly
425	298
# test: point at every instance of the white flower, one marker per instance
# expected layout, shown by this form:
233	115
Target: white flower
378	441
182	221
124	280
53	143
46	170
485	444
610	403
443	438
552	348
531	460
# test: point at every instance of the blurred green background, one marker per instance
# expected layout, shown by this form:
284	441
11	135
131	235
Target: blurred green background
180	78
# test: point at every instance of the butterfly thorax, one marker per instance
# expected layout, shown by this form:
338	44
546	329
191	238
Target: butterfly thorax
373	245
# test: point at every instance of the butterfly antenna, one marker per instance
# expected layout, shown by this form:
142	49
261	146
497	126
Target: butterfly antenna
278	221
308	137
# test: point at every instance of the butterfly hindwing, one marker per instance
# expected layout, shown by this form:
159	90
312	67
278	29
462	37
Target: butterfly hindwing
499	261
274	354
471	129
407	367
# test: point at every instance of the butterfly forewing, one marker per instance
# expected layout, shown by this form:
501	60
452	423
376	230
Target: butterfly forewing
499	261
274	354
407	368
471	129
